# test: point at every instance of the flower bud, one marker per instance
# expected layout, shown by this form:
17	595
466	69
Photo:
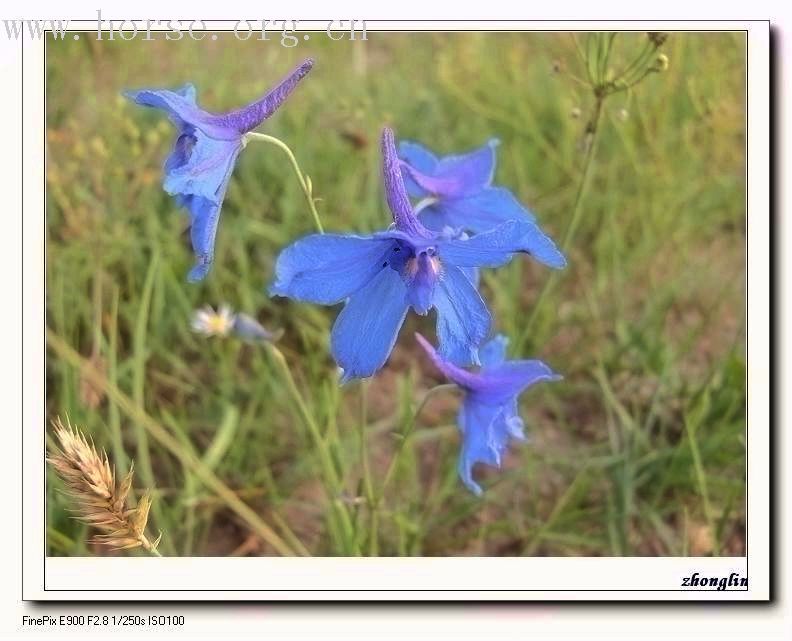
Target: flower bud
660	63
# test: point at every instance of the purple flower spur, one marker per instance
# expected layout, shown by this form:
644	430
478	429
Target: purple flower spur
457	191
489	419
381	276
199	167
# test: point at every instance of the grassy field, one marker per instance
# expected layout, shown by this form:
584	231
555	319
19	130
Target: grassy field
640	450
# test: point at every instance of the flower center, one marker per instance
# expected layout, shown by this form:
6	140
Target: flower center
420	270
423	265
218	324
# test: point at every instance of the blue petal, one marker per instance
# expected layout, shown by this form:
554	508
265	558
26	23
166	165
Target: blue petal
487	431
463	320
417	156
365	331
477	212
473	274
421	274
507	380
493	352
497	246
188	92
182	110
201	166
327	268
475	420
420	158
204	215
181	152
473	170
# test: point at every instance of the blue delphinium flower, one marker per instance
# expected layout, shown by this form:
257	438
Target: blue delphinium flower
381	276
199	167
489	418
457	191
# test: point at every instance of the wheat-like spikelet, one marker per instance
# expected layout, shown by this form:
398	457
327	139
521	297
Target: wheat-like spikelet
101	502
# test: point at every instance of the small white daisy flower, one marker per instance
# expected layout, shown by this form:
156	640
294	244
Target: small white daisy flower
213	323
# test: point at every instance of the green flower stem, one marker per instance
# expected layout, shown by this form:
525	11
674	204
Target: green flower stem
404	437
305	181
368	485
577	209
325	457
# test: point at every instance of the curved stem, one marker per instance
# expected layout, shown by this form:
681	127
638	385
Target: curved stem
591	130
405	437
368	486
332	476
305	182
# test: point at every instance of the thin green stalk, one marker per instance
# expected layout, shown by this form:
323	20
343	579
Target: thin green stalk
592	131
582	56
405	435
305	181
368	486
189	489
606	55
641	59
701	480
325	456
119	454
164	438
139	371
139	357
577	210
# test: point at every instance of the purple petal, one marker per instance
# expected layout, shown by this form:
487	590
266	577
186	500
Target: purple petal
461	377
456	176
419	158
181	107
395	193
250	117
182	110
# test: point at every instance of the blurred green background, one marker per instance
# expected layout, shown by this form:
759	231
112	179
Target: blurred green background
640	450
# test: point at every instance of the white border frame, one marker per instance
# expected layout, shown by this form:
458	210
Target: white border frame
501	579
